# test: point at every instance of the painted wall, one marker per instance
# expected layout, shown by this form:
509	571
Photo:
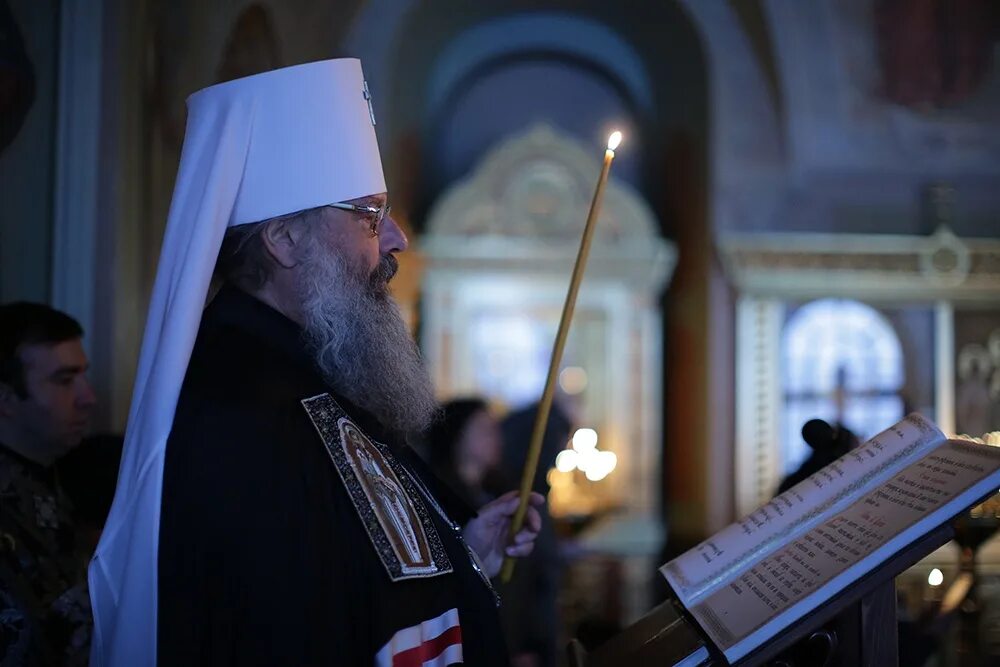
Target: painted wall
860	152
26	166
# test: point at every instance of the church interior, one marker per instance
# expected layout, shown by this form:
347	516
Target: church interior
802	222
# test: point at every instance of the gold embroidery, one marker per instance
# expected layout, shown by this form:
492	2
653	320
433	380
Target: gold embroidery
383	494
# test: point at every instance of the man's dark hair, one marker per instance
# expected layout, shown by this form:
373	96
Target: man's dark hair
25	323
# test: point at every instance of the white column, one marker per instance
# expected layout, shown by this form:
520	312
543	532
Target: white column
758	400
944	366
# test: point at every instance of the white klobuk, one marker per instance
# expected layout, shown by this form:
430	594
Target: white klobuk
255	148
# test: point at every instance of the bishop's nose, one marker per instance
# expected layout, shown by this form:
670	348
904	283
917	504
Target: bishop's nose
391	237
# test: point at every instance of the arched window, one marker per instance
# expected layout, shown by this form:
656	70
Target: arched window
841	362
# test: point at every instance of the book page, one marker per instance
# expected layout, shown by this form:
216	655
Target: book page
697	572
805	572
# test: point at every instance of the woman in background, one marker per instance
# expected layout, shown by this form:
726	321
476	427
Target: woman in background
464	448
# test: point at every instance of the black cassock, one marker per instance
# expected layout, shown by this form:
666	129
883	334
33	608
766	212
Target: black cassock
293	530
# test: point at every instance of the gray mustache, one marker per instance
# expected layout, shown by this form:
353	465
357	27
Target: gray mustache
387	267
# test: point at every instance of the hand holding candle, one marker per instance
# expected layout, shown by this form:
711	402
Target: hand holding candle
542	418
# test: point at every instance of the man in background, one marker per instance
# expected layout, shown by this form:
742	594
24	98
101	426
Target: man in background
45	407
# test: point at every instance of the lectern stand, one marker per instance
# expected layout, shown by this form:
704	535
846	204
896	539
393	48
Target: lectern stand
855	628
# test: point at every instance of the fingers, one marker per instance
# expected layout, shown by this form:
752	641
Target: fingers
533	519
507	496
511	499
520	550
504	507
525	536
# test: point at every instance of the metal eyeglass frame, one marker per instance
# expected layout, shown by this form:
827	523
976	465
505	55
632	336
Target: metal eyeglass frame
380	214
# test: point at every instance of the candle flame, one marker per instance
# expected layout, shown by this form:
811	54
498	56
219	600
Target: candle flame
614	140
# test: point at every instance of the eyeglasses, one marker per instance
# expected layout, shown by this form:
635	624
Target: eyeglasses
374	216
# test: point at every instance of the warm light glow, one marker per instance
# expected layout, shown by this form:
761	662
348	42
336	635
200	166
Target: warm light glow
566	460
614	140
585	439
935	578
585	457
609	461
573	380
588	460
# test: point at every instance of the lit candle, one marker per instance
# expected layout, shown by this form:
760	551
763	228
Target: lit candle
545	406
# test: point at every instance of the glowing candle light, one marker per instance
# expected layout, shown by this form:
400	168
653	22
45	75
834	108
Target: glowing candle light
614	141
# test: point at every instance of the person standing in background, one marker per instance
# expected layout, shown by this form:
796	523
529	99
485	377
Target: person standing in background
45	407
464	446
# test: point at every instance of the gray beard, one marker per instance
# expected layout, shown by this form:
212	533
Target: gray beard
360	341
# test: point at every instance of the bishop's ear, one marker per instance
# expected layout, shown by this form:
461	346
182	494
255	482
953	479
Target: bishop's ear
282	238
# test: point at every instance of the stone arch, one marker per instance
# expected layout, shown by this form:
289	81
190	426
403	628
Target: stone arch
566	34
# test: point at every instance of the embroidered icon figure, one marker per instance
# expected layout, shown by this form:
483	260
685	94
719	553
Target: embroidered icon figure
389	501
383	493
393	502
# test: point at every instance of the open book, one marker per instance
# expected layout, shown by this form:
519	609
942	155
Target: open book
758	576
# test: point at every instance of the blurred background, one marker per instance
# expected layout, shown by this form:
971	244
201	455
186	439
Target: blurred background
803	221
